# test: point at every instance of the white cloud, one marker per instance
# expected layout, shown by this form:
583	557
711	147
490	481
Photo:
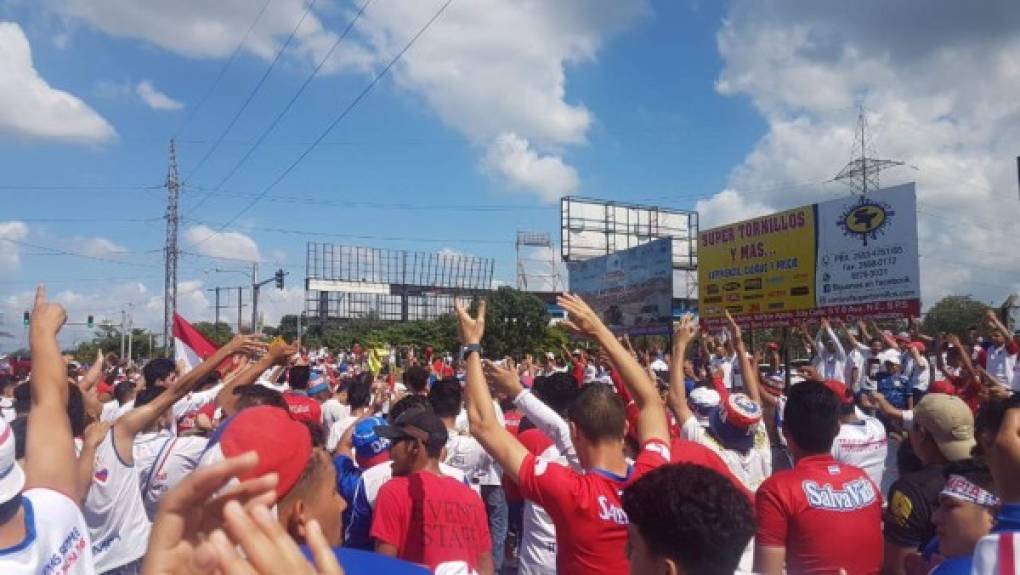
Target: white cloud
512	157
727	206
10	252
938	80
487	68
30	107
99	247
228	245
155	99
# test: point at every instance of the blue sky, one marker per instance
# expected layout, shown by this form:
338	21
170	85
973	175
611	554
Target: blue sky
729	108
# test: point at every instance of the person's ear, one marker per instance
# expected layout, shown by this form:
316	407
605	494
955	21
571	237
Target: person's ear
671	567
574	435
295	523
626	427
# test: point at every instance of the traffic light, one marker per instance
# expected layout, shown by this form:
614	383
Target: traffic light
279	279
90	322
27	318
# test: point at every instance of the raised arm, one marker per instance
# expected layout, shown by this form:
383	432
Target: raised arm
278	353
137	419
677	397
93	436
482	421
863	327
840	351
747	371
651	417
50	460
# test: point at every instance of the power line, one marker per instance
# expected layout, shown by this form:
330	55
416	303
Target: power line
251	95
79	254
212	88
85	220
365	237
272	125
337	120
32	187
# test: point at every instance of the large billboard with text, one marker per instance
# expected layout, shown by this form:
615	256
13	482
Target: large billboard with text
631	290
851	258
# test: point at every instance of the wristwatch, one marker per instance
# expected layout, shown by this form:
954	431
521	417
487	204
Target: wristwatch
470	348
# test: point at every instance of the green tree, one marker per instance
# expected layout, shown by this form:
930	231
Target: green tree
219	333
954	314
515	322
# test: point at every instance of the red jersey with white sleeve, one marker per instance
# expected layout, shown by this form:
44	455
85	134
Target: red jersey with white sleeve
432	520
827	515
591	526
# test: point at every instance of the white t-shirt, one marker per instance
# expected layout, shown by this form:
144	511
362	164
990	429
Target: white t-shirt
863	444
725	364
920	375
7	409
162	461
333	411
466	454
751	468
374	478
1002	364
855	359
337	430
112	410
58	540
114	513
537	555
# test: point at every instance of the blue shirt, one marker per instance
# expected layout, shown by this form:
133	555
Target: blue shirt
357	561
347	476
1008	518
895	388
359	527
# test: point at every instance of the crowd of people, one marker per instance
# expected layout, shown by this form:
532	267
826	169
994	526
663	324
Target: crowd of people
705	457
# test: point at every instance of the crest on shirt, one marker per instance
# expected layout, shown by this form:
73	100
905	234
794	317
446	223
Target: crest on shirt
866	219
101	476
900	508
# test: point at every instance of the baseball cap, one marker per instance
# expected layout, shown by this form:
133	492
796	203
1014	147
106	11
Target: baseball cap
846	397
890	356
317	388
733	422
919	346
417	424
12	478
950	423
369	448
703	401
283	444
903	336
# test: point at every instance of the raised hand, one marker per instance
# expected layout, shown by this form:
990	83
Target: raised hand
581	319
471	329
246	344
686	330
281	351
504	378
734	328
47	317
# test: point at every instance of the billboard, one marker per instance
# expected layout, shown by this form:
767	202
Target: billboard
850	258
631	290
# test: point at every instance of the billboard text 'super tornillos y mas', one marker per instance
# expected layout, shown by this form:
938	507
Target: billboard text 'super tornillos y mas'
854	257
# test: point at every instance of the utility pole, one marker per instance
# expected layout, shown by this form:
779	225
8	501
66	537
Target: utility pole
240	307
130	332
122	334
255	297
218	306
170	250
861	173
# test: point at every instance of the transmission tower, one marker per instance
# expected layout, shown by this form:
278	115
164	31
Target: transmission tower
549	275
170	252
861	173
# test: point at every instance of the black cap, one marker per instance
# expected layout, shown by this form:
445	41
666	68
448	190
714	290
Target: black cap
419	424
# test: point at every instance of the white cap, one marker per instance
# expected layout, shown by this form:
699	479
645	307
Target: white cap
890	355
12	478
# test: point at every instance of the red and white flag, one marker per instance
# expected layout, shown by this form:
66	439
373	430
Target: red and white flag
190	346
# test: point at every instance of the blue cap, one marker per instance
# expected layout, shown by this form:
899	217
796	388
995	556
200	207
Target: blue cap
319	388
367	442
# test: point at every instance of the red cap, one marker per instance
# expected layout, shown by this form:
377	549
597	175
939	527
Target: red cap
773	345
919	346
942	386
846	397
284	445
103	387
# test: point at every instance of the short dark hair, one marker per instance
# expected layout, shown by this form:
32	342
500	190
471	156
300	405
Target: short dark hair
416	378
811	417
359	394
445	397
972	470
992	413
23	398
76	410
158	369
692	515
557	390
599	413
256	394
298	377
146	395
122	390
407	403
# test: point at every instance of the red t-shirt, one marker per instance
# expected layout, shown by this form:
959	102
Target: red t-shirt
431	519
591	526
303	408
827	515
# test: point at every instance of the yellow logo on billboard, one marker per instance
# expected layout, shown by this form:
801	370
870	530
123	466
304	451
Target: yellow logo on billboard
866	219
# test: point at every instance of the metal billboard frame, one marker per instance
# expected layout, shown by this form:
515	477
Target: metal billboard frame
345	282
